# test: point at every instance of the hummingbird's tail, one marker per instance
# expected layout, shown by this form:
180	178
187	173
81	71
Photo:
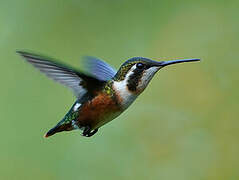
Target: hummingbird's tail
50	132
59	128
65	124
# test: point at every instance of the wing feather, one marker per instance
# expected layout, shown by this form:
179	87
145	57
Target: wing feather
98	68
63	74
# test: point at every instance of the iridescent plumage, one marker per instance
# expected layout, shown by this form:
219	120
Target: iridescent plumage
102	93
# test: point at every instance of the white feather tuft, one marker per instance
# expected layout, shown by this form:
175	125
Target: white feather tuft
123	91
76	107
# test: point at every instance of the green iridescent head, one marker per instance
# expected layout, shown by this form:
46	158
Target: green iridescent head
138	71
127	65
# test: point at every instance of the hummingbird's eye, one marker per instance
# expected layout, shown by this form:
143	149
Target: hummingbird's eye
140	65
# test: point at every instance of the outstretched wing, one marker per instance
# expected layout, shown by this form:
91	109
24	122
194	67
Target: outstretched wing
78	82
98	68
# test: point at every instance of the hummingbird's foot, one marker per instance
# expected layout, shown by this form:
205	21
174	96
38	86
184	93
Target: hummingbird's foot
92	132
88	132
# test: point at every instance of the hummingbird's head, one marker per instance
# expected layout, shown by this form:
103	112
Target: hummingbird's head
137	72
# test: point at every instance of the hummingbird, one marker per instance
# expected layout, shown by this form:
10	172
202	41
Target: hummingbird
102	93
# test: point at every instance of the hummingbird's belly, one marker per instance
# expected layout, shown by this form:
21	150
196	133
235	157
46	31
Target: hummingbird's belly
98	111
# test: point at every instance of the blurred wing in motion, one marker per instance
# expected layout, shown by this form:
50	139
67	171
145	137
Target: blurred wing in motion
98	68
78	82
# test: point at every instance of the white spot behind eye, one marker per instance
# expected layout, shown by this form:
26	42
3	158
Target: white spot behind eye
122	89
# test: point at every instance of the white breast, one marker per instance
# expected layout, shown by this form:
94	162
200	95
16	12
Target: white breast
123	92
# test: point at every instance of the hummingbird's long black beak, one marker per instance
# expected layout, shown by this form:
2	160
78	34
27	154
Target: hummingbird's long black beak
166	63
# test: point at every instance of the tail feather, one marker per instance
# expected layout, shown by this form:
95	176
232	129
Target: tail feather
65	124
51	132
58	128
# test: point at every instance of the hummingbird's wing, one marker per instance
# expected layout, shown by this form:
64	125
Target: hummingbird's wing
78	82
98	68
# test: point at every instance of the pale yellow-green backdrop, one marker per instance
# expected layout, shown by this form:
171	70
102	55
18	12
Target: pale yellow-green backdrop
185	126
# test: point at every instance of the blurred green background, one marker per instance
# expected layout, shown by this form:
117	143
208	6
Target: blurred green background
184	126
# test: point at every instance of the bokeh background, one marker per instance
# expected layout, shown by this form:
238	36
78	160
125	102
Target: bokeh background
185	126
